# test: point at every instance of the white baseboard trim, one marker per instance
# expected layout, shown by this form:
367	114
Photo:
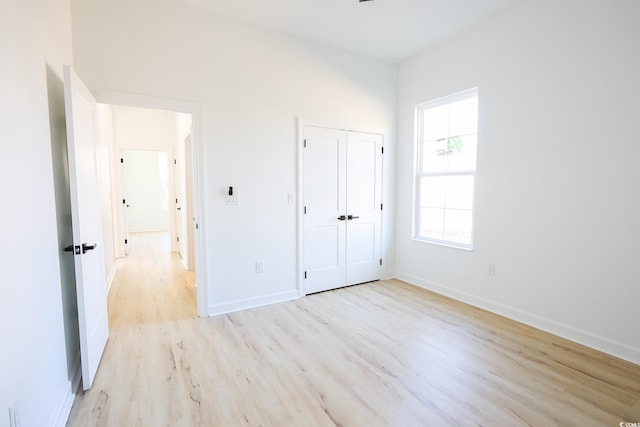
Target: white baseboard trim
243	304
594	341
111	276
388	275
68	395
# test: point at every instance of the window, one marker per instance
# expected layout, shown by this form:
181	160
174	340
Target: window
446	144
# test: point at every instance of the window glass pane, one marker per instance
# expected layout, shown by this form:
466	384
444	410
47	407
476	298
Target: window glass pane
464	116
462	155
434	156
459	192
457	226
450	154
447	145
432	223
435	123
432	190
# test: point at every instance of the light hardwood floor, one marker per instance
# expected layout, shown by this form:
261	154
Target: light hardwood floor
151	285
378	354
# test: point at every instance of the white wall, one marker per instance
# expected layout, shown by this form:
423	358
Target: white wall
252	83
34	371
144	128
143	191
557	200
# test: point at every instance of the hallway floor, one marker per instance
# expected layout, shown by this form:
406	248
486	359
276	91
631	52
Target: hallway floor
151	285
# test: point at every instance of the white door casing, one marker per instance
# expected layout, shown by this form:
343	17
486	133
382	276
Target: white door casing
342	207
189	215
80	108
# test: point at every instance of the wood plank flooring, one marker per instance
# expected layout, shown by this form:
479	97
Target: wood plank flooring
379	354
151	285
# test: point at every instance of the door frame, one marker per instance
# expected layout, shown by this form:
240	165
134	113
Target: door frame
123	226
198	178
302	122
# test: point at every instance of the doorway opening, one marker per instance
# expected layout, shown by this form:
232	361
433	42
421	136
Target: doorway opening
154	220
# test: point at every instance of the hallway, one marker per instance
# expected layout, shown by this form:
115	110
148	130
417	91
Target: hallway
151	285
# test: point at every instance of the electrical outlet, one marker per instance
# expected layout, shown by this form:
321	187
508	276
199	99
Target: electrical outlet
491	270
259	266
291	198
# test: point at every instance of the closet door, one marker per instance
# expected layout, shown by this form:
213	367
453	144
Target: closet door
364	207
342	192
324	189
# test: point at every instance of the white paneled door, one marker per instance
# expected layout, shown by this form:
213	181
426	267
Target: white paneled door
342	207
87	247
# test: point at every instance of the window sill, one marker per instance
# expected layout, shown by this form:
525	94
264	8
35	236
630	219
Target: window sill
443	243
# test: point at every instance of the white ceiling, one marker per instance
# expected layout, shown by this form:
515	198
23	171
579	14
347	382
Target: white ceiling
391	30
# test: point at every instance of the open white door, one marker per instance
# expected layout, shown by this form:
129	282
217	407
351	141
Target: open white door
80	108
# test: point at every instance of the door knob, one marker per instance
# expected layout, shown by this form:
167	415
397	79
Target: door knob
350	217
86	247
342	217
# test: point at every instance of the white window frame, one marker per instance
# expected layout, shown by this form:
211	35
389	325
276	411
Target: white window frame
418	173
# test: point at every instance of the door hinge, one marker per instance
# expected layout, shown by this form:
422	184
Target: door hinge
126	241
177	238
121	160
381	205
124	202
380	261
305	210
175	162
382	149
176	201
305	274
305	143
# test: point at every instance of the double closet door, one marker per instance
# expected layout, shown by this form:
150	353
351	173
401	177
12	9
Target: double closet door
342	207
